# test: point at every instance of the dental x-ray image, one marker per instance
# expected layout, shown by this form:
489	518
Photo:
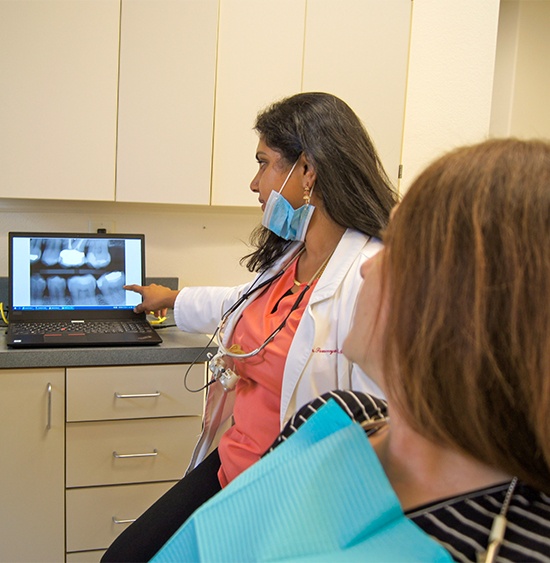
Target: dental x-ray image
67	272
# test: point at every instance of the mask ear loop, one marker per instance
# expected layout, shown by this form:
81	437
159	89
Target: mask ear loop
289	175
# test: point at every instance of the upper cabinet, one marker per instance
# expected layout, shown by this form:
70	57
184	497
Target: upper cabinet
166	100
74	127
155	100
58	103
358	50
355	49
260	55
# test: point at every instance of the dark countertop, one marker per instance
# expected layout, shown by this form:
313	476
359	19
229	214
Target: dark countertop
177	348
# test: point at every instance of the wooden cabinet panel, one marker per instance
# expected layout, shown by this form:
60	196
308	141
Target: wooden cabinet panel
58	103
95	516
358	50
159	96
62	483
133	392
85	556
260	49
32	488
129	451
166	100
130	433
355	49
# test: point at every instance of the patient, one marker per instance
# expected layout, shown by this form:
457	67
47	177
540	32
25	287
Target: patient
460	344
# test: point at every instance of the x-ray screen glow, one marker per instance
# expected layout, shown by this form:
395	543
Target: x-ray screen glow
64	273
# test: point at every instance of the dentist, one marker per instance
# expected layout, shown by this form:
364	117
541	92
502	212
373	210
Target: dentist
325	198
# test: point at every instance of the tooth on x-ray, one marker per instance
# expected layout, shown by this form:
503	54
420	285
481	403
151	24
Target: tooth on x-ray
98	253
82	289
38	286
36	250
73	256
50	256
56	288
110	285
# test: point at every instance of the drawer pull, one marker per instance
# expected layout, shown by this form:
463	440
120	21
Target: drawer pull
49	417
154	453
137	395
128	521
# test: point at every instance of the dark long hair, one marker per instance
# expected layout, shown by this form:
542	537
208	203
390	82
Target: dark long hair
351	181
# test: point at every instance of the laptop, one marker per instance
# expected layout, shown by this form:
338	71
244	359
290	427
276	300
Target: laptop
65	290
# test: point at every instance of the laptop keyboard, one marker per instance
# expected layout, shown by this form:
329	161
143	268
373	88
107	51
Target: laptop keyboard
86	327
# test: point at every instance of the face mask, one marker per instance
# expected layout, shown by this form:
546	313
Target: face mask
282	219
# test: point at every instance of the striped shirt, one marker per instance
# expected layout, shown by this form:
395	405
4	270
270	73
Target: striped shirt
461	524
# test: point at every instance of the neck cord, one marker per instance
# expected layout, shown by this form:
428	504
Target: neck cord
317	274
373	425
319	271
498	529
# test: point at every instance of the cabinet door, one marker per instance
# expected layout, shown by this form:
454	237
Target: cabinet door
358	50
166	100
58	101
259	61
32	488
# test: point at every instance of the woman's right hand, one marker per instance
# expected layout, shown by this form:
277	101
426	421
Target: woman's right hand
156	299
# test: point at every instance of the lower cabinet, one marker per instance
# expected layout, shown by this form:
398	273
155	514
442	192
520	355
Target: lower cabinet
130	433
32	481
85	451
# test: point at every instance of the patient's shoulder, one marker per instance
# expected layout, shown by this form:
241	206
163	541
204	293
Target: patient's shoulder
360	407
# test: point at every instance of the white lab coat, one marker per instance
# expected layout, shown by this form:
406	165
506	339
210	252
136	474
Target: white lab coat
315	363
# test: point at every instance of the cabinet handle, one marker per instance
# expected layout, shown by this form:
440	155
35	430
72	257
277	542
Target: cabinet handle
137	395
49	416
154	453
127	521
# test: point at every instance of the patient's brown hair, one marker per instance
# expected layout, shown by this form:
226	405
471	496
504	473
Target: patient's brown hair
468	270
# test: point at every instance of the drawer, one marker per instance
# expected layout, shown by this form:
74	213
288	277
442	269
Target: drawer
84	557
112	393
92	514
129	451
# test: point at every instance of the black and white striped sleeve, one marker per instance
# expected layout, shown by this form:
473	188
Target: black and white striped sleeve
360	407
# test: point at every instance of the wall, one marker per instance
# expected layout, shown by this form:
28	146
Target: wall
522	74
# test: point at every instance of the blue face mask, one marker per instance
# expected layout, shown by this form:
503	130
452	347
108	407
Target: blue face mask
282	219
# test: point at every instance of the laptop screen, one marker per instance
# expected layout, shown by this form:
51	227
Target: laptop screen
68	271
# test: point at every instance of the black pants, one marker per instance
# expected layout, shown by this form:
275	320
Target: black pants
142	539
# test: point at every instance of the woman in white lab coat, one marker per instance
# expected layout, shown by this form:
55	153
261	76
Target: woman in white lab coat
325	198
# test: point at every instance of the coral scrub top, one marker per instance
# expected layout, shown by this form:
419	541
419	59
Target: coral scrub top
258	391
